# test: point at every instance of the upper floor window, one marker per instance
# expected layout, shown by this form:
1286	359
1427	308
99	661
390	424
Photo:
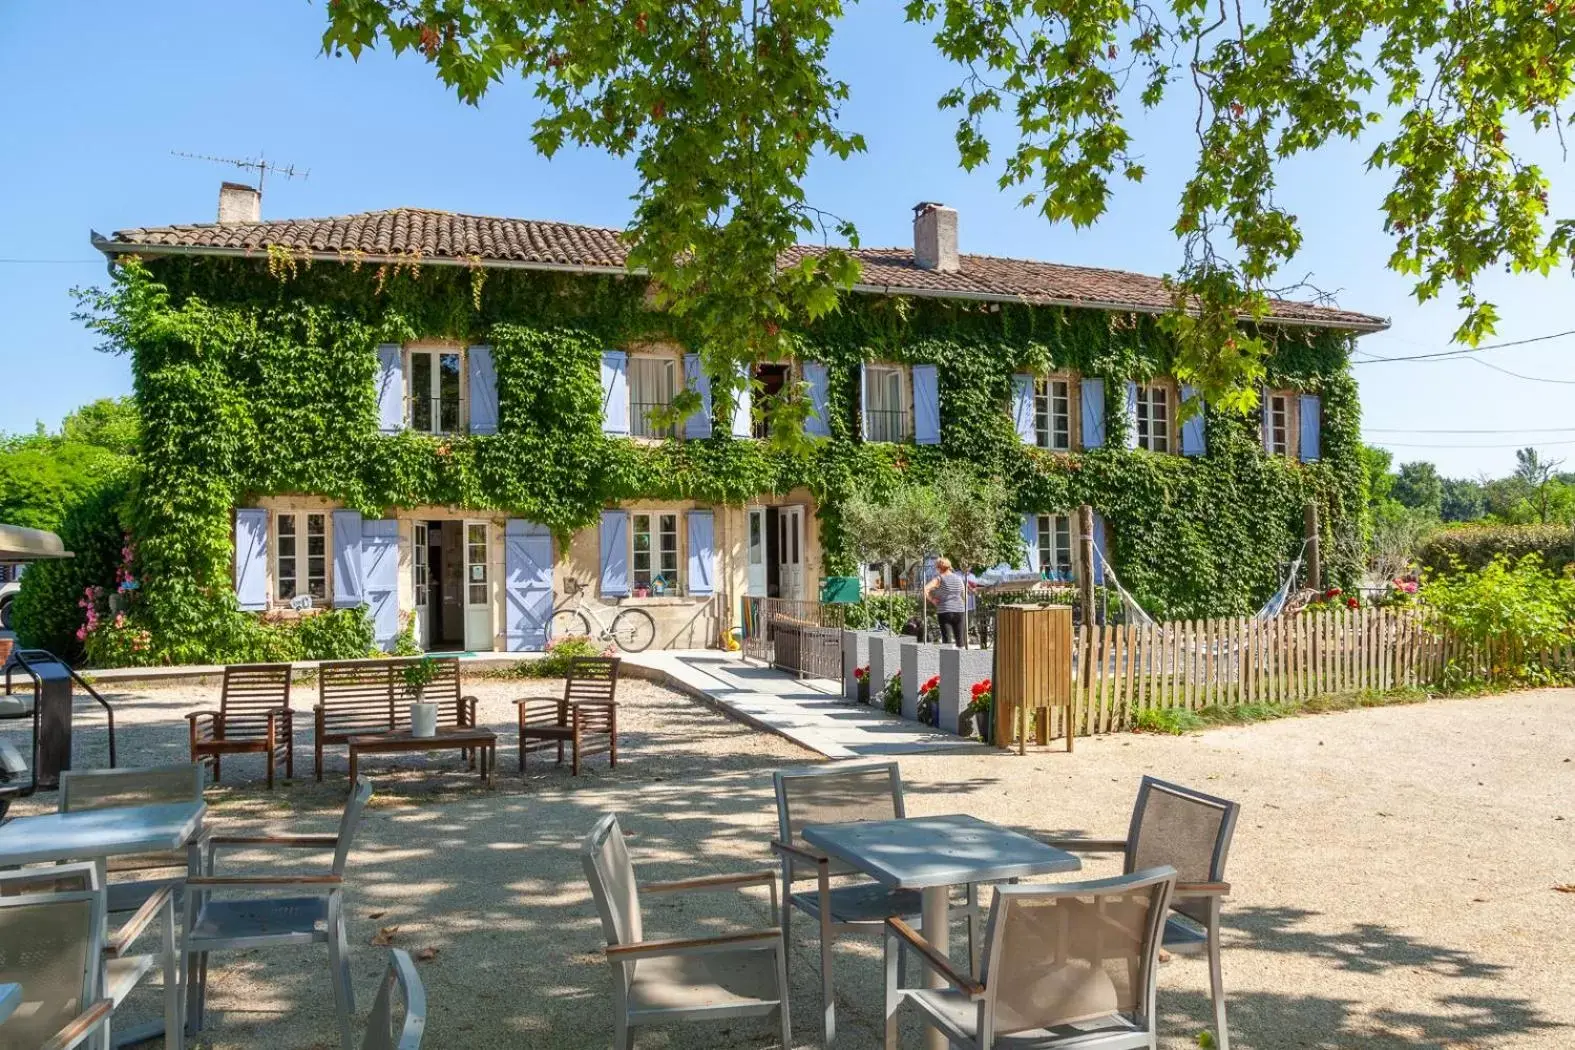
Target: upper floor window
436	391
654	555
1055	546
1053	414
1153	417
886	416
300	565
1277	425
653	384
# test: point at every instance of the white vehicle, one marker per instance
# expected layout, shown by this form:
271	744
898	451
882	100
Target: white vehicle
10	584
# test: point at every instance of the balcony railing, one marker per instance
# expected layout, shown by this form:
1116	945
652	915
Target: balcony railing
642	425
437	415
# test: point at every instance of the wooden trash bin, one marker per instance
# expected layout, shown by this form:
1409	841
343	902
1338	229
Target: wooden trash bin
1033	672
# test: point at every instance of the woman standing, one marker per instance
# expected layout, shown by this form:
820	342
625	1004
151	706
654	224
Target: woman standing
948	592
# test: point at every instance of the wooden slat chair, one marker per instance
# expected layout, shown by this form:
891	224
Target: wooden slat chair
1069	966
1191	832
83	790
254	717
585	717
59	973
361	697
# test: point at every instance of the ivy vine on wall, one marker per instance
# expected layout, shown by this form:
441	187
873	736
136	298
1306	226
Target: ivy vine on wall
255	378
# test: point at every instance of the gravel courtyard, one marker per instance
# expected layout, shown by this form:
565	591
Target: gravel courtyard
1394	870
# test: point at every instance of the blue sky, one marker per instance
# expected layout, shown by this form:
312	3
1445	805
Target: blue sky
97	95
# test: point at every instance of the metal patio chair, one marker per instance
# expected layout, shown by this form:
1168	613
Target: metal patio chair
692	979
836	794
1191	832
380	1027
60	1005
585	717
1067	966
293	909
254	717
123	969
83	790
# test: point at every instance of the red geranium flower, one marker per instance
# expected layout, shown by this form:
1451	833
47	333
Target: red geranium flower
1351	602
1332	592
933	683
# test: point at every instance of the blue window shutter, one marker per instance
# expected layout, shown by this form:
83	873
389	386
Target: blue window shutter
251	558
483	390
743	401
390	388
1193	441
348	590
615	553
817	424
1023	408
1099	545
527	585
1311	427
1093	411
698	425
615	392
1132	434
380	578
926	405
702	552
1030	533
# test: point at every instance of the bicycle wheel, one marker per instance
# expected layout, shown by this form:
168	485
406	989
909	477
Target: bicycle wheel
568	623
633	630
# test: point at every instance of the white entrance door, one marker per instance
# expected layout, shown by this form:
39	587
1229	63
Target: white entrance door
478	589
790	552
420	559
755	541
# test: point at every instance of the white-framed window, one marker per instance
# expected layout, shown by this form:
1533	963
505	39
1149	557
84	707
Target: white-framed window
1153	417
1277	418
437	386
476	560
653	384
300	559
422	560
1053	413
887	417
653	553
1055	546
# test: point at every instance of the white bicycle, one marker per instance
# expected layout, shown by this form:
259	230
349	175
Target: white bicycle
632	630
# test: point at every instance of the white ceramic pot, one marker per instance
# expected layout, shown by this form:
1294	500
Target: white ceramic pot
423	719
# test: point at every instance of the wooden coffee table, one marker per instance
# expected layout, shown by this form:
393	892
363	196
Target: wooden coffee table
482	742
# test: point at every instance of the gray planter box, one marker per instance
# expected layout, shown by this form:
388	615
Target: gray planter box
855	654
960	669
885	661
919	663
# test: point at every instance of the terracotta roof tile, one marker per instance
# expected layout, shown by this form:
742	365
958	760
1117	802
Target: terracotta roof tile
440	235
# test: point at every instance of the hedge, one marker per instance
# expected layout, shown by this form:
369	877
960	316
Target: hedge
1475	546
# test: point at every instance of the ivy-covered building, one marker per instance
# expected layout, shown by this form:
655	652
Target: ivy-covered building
447	418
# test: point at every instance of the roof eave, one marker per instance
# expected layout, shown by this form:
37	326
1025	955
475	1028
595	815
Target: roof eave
111	248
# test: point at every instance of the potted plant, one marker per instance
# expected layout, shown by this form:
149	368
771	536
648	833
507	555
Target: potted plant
861	675
423	715
930	701
981	706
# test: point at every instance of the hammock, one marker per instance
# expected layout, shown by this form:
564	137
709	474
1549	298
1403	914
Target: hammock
1132	612
1276	603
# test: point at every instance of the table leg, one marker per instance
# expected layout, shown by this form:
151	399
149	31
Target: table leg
353	757
936	915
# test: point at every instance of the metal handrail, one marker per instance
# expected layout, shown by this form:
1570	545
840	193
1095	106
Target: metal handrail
20	656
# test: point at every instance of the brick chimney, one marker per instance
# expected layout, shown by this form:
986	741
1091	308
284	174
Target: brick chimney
935	237
239	203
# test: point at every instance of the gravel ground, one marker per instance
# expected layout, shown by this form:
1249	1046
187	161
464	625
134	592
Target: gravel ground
1393	871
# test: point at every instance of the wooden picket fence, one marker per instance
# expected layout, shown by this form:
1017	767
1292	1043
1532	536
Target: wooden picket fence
1120	671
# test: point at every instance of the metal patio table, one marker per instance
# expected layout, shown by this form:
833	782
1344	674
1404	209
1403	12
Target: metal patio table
933	854
96	835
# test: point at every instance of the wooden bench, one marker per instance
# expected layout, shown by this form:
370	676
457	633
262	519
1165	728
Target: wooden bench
368	697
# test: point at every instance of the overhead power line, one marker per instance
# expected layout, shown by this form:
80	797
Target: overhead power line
1464	351
1517	444
1508	430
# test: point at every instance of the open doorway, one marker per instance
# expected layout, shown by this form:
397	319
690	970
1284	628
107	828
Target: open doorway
769	380
452	579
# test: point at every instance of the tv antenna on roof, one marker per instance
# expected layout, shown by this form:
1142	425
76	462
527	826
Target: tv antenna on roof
260	164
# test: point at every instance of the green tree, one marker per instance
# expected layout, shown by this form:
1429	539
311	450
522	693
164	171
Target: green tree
723	105
1377	463
1418	487
110	423
1463	500
1536	476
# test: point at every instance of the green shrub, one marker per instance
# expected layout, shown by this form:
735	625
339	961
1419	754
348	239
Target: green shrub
1172	721
555	662
336	634
1475	546
1505	614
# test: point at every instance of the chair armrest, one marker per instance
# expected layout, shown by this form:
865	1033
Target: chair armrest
192	716
1201	889
554	700
934	959
467	707
799	853
117	943
318	883
1075	845
285	841
694	945
81	1026
711	882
